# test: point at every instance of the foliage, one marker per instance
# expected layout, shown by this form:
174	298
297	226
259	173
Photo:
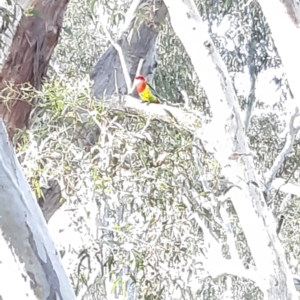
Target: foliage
139	179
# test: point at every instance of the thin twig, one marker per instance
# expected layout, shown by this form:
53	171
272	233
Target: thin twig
116	82
284	186
138	72
129	15
185	98
139	68
216	265
119	50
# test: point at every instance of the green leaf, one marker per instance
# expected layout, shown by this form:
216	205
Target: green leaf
31	11
67	30
116	282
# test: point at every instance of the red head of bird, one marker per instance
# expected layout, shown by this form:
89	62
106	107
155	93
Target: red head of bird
140	82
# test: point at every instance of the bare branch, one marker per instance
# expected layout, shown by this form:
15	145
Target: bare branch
185	98
290	138
216	265
129	16
288	48
286	187
138	72
118	49
139	68
173	115
197	160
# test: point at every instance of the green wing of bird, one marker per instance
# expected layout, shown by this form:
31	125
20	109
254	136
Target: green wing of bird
153	91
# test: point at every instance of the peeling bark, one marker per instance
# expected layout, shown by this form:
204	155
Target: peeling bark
51	200
33	43
137	42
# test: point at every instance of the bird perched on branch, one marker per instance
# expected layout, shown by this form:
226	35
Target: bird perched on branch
145	90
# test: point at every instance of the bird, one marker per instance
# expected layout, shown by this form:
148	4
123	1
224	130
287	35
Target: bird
146	91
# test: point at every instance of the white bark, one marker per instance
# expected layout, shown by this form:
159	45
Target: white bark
187	120
225	137
286	34
28	256
290	138
286	187
287	40
216	265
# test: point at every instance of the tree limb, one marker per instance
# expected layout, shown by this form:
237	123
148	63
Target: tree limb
169	114
290	138
216	265
286	187
119	50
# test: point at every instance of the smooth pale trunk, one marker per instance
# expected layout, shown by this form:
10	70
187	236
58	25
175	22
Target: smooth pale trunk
225	137
28	252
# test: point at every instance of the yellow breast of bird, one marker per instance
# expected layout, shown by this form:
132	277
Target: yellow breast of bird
146	94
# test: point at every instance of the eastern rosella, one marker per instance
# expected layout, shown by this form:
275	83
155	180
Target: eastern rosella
145	90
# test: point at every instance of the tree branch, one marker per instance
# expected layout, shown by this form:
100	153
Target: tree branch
290	138
118	49
216	265
286	187
169	114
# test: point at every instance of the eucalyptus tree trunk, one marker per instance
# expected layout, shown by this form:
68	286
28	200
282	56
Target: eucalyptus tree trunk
26	57
30	259
225	138
137	42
